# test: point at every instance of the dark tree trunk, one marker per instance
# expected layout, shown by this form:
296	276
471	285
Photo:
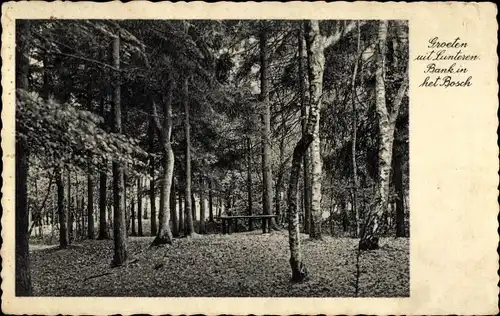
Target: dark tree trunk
398	184
70	210
306	195
210	201
202	205
266	132
249	184
187	131
103	230
173	211
90	205
354	135
193	207
119	226
152	195
23	285
181	214
103	180
139	207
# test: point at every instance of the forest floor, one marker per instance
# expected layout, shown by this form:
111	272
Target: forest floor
236	265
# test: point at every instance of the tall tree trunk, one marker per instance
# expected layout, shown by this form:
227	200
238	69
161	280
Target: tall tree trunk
193	207
316	63
303	113
210	201
249	184
354	134
266	131
70	210
119	226
386	123
103	180
90	205
139	207
181	214
173	210
152	190
397	178
202	205
61	210
187	190
164	233
316	175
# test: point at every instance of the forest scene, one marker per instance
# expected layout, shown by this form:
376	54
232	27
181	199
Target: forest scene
212	158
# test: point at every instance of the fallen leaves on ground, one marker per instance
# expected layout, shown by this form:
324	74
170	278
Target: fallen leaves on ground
238	265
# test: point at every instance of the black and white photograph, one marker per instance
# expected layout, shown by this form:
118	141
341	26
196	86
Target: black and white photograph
212	158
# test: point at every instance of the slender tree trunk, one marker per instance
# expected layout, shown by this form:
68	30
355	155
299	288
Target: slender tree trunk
164	233
103	231
103	180
139	207
119	226
249	184
152	190
398	184
132	211
70	209
210	201
266	131
202	205
386	123
354	135
173	210
316	175
316	63
187	190
181	214
303	113
193	207
90	205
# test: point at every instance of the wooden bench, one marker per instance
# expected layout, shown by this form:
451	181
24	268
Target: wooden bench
227	222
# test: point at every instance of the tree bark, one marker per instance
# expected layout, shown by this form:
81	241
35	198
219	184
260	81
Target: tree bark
354	134
386	123
202	205
152	190
249	184
303	113
70	209
119	225
139	207
181	214
266	131
398	185
193	207
173	210
187	190
316	163
90	205
210	201
103	180
316	63
164	233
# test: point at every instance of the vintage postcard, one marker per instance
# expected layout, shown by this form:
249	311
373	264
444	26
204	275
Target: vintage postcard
249	158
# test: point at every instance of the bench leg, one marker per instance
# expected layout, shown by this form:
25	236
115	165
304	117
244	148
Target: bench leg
224	227
236	229
229	224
